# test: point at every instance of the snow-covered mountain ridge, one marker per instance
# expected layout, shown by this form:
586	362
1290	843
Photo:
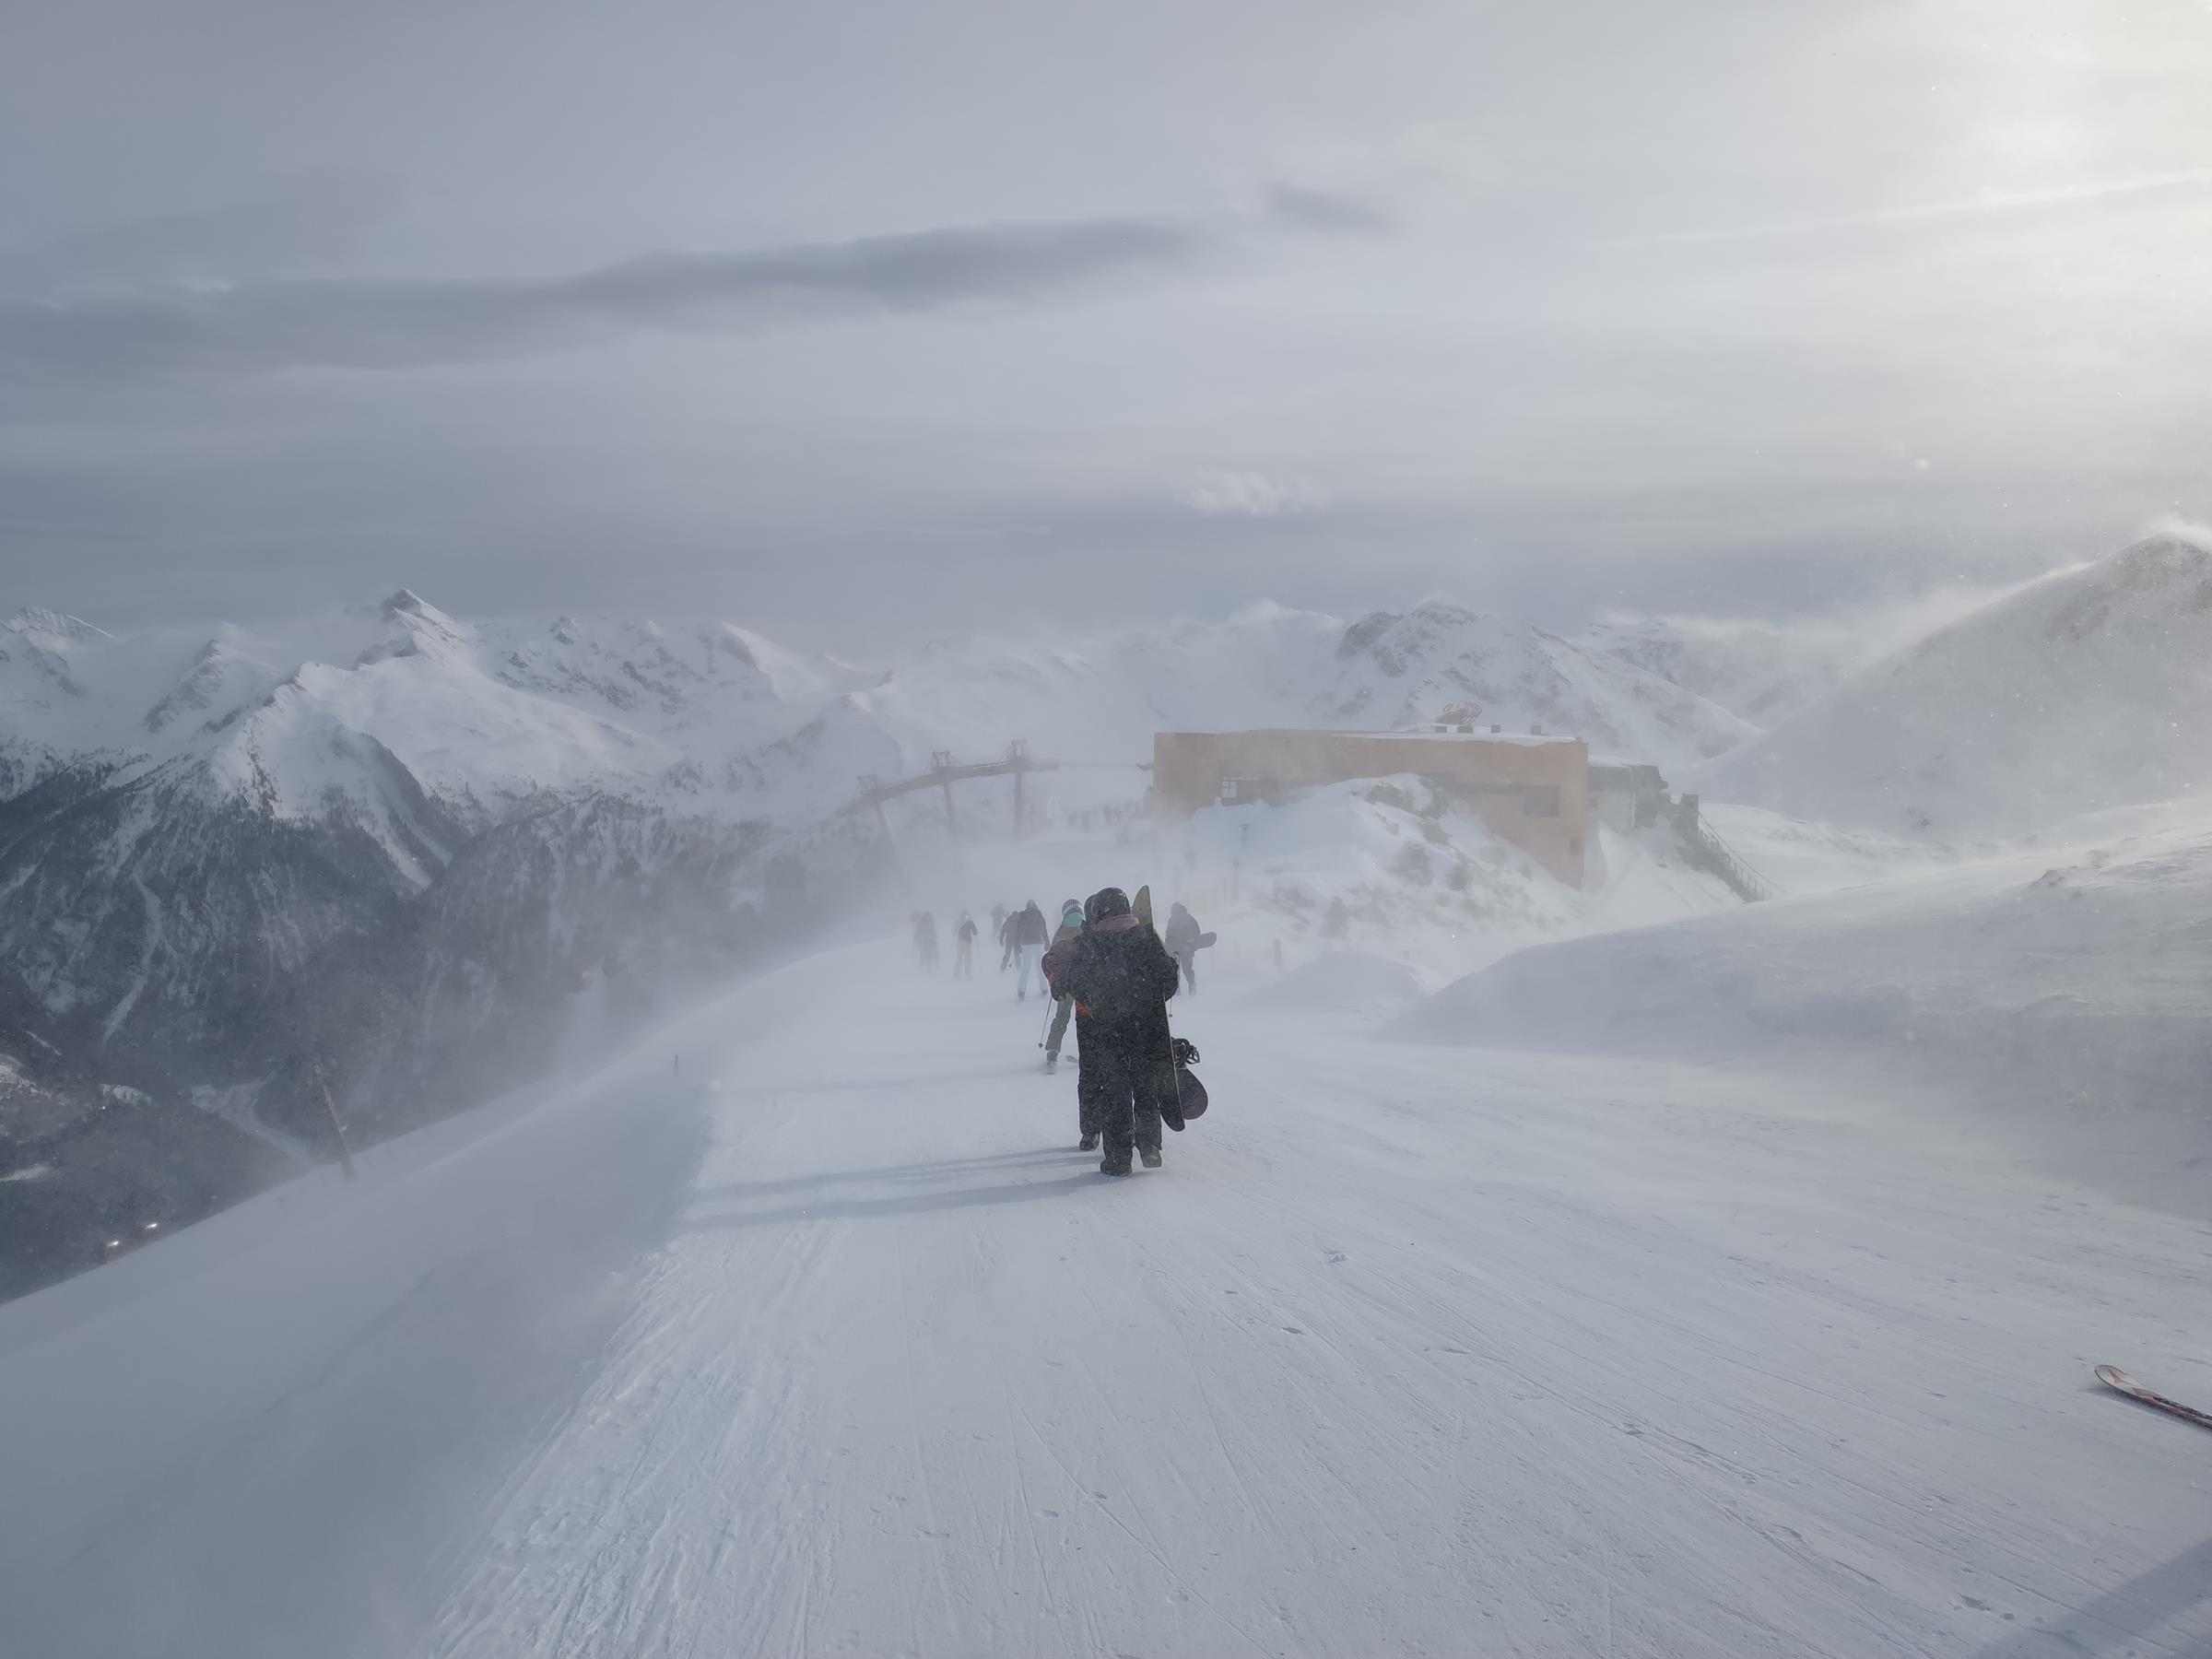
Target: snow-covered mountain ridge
2086	691
716	719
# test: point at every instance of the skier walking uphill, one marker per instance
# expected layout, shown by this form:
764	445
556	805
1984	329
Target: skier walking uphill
963	956
1055	968
1121	976
1030	931
1005	934
1184	940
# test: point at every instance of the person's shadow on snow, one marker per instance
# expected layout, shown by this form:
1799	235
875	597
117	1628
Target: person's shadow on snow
828	1205
2121	1618
913	1173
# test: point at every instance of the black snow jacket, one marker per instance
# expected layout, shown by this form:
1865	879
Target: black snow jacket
1029	926
1121	976
1183	931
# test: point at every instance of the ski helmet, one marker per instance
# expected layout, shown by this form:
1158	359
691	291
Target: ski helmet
1105	902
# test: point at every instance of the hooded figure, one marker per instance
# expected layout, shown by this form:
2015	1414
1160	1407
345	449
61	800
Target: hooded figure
1055	978
1184	939
963	956
1121	976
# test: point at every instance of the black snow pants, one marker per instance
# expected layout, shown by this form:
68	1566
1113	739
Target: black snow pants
1117	1095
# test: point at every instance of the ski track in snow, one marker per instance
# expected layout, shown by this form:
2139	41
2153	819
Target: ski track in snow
1406	1350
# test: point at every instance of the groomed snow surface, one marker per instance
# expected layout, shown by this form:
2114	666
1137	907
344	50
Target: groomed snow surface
822	1339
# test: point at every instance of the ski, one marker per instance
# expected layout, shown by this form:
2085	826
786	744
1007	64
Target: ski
2113	1377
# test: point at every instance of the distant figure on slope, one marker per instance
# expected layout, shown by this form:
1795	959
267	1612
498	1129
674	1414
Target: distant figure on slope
1122	977
1054	967
925	941
963	954
1030	931
998	932
1007	930
1184	940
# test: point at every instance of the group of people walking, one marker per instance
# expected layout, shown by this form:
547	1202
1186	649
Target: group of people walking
1111	976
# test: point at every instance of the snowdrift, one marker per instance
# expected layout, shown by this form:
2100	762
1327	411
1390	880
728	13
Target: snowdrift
444	1301
2068	998
1395	871
1339	981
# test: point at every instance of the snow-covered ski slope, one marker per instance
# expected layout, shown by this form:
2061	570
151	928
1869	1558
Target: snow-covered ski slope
2061	991
831	1343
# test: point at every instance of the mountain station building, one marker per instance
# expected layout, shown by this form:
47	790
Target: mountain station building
1533	791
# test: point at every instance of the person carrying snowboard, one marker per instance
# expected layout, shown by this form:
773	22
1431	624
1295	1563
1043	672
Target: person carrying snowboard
963	955
1031	932
1184	940
1121	976
1054	967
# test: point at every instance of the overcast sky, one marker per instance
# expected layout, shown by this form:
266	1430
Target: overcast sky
862	317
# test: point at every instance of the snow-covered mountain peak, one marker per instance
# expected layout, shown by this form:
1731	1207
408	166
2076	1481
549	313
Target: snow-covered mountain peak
419	624
1396	670
408	604
2158	579
222	679
1393	642
39	626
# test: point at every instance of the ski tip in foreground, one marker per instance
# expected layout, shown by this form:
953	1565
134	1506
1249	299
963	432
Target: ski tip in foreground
2111	1376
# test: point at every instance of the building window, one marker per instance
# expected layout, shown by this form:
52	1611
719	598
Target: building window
1540	800
1575	847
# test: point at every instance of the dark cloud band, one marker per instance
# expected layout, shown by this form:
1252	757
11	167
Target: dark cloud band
253	327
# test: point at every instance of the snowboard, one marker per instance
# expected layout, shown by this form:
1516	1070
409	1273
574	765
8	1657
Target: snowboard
2111	1376
1189	1099
1190	1094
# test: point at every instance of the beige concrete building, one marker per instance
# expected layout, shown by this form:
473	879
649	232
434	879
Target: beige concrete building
1532	790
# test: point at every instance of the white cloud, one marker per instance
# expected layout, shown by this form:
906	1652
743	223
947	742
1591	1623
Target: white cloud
1250	495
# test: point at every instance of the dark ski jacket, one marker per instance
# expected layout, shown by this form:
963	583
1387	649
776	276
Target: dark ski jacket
1029	926
1183	932
966	929
1121	976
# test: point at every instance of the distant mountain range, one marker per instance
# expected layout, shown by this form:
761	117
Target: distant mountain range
408	856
